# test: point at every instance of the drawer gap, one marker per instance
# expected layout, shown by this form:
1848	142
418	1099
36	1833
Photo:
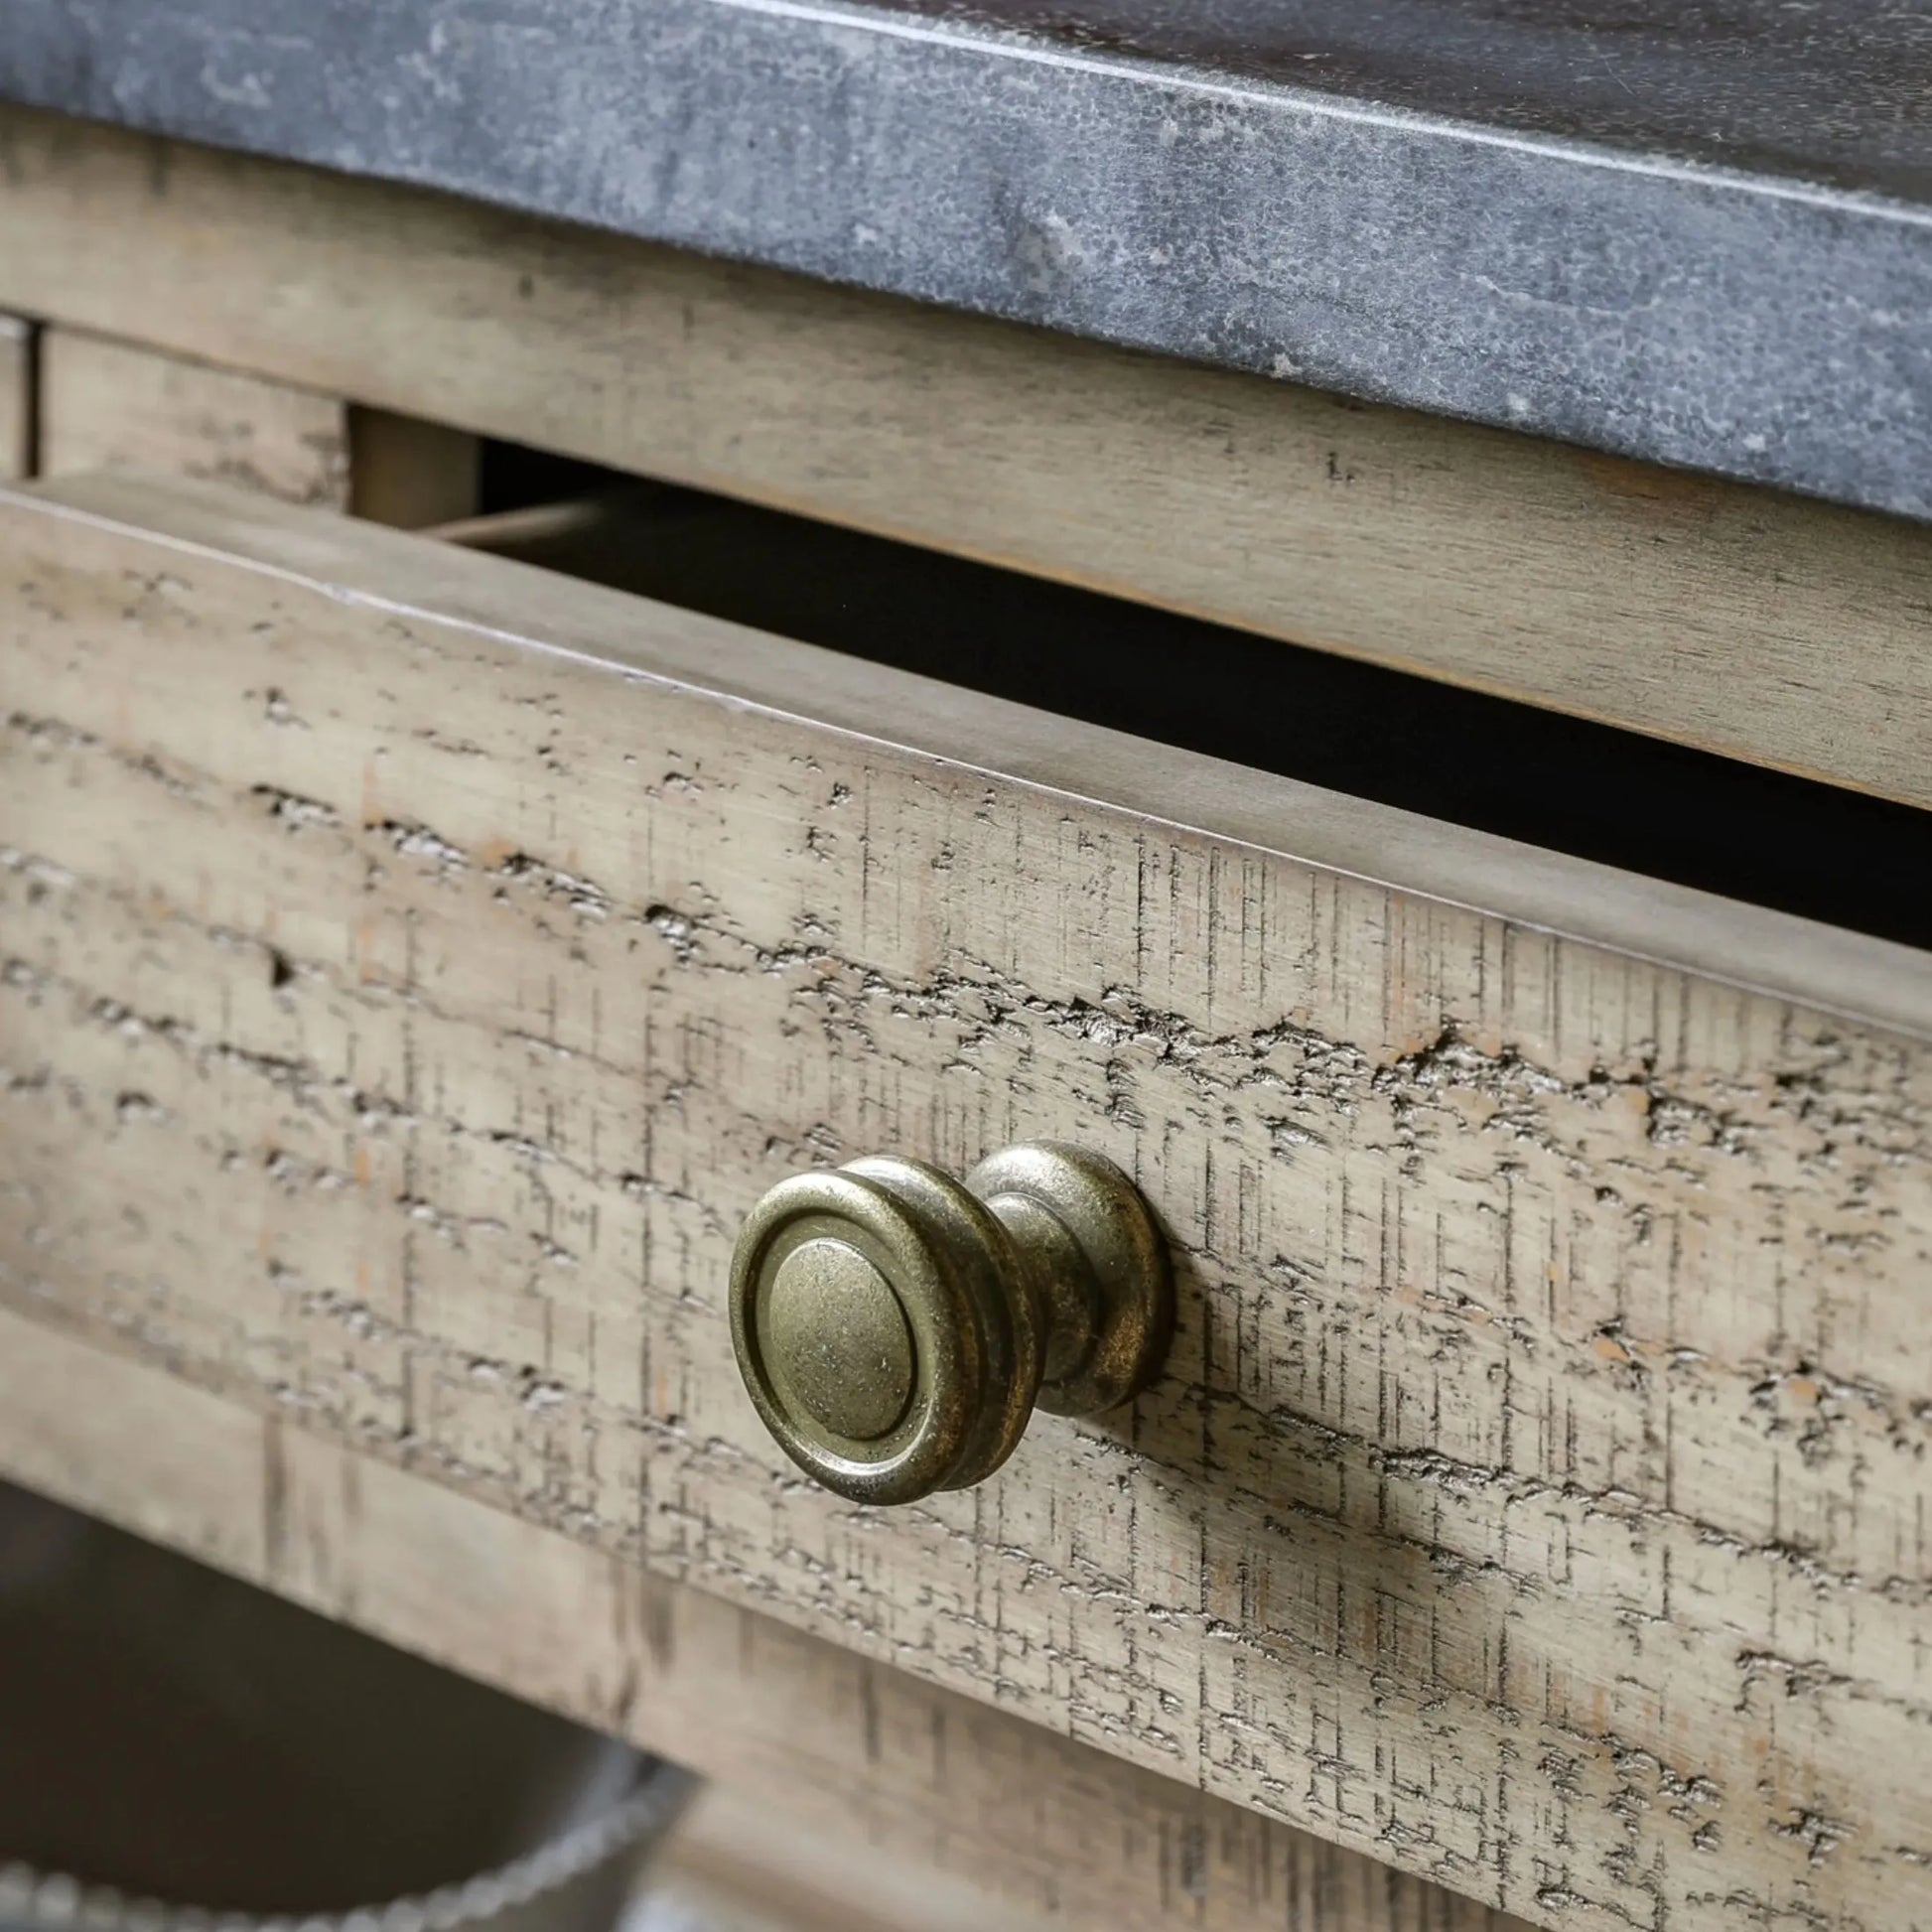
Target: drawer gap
1544	778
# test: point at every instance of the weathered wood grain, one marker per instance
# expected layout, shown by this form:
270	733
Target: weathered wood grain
1759	625
736	1865
416	965
16	399
108	404
950	1795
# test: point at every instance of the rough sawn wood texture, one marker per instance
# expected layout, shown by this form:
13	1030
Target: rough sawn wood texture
398	1017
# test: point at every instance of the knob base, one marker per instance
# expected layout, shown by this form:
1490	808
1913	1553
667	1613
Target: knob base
1105	1288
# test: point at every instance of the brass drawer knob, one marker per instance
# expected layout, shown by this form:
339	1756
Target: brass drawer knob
896	1328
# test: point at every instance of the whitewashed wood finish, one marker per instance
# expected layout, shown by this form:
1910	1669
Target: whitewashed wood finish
107	404
967	1801
418	964
1787	632
16	398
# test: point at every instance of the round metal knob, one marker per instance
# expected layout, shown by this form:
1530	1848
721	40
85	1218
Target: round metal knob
896	1328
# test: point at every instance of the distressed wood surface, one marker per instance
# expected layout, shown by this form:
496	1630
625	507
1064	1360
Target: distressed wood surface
16	399
994	1820
1760	625
418	964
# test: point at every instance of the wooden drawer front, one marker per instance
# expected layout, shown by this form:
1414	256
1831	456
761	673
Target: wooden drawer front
417	964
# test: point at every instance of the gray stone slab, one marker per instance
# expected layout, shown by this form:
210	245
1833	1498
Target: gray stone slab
1693	230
